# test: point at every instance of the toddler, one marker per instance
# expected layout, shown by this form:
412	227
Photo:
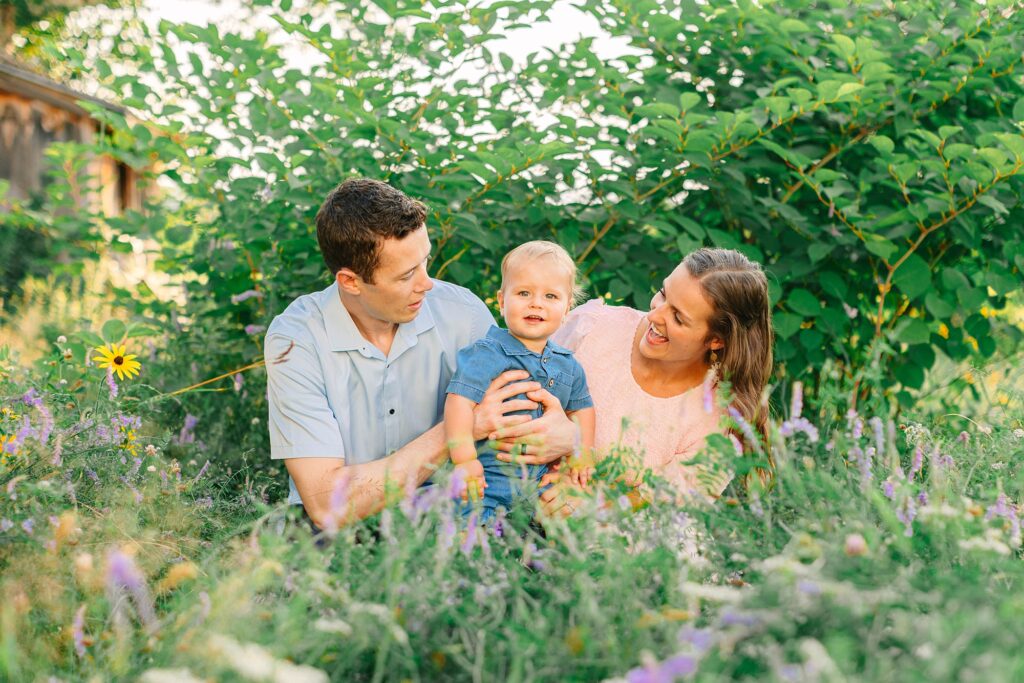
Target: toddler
538	287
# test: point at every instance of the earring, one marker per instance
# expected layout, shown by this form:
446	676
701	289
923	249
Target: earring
716	366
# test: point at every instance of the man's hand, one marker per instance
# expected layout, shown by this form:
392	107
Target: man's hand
491	413
540	441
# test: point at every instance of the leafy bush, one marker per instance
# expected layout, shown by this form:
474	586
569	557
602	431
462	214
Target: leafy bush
870	156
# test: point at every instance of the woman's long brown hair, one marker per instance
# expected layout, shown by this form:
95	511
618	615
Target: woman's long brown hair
737	289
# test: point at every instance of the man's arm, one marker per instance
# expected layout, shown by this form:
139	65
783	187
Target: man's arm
316	479
364	484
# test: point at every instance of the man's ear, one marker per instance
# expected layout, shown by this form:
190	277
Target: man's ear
348	281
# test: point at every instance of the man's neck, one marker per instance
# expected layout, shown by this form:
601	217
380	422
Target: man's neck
380	333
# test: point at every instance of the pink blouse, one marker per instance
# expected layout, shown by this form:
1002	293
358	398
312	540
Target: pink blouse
666	431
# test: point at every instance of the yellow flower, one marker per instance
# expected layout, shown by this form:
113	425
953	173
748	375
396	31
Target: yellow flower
113	357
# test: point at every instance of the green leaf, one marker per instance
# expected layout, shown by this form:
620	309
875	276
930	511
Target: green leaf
1018	110
913	277
820	250
880	247
904	172
832	284
883	144
848	89
948	131
90	339
910	375
786	324
912	331
689	100
937	306
113	331
803	302
846	45
656	109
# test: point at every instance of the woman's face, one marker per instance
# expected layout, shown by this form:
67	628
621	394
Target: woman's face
678	322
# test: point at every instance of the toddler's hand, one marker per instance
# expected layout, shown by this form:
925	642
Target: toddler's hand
473	475
581	469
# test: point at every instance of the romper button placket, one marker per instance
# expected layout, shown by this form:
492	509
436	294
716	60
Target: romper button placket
551	382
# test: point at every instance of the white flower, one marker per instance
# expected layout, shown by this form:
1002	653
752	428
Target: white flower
1018	433
169	676
151	450
255	421
253	662
333	626
62	339
151	468
998	465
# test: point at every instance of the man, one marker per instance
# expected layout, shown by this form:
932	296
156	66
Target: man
356	373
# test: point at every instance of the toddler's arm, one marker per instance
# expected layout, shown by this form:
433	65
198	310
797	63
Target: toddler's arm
581	464
458	429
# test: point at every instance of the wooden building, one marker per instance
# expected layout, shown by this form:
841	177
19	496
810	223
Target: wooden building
35	112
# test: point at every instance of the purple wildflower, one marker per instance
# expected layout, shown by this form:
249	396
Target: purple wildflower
858	428
802	425
5	525
796	407
701	638
963	437
879	431
135	491
254	329
29	525
906	513
246	295
917	463
808	587
205	503
456	484
448	533
889	489
667	671
336	505
124	575
163	478
999	509
922	498
745	427
136	465
187	436
58	451
237	381
78	631
111	383
469	541
202	471
709	391
92	475
730	618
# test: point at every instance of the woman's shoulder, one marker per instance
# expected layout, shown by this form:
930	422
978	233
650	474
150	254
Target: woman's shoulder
594	314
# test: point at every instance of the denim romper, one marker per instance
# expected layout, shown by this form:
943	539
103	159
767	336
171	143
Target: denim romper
555	369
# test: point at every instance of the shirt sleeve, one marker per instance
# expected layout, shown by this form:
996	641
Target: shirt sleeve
476	367
578	324
482	320
580	396
300	420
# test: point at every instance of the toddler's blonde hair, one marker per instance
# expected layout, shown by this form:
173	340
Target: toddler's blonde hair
542	249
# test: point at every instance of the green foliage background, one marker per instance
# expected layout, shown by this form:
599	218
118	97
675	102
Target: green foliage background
868	156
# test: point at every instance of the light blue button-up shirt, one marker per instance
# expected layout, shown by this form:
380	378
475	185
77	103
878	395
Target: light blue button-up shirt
333	394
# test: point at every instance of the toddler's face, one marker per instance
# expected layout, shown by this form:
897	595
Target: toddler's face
535	299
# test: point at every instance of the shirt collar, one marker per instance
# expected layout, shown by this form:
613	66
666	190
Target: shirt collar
345	336
514	347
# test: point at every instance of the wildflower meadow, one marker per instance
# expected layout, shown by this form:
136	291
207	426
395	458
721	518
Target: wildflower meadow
868	154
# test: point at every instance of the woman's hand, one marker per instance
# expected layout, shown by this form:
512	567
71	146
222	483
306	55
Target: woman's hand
562	499
539	441
491	414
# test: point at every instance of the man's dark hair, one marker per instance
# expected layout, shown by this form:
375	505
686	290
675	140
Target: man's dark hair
356	218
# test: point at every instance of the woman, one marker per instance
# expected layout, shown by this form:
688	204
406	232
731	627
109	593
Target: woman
710	319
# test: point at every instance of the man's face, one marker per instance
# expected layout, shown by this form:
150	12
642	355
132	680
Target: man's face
401	281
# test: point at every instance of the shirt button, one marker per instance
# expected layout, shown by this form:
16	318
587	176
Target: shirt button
391	412
551	382
544	360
